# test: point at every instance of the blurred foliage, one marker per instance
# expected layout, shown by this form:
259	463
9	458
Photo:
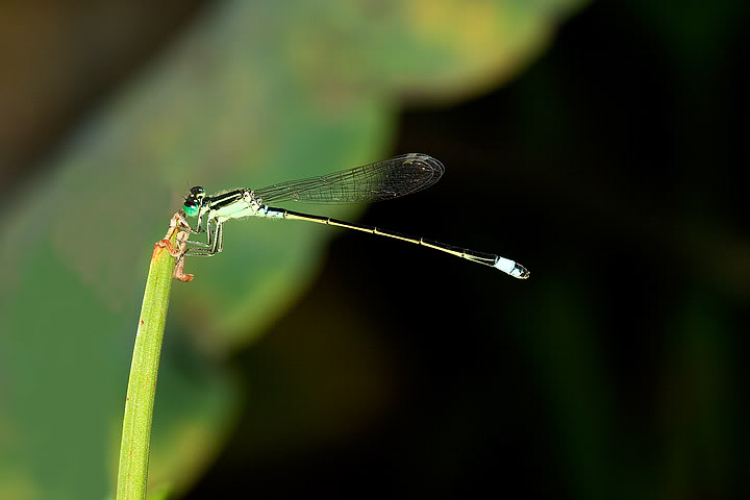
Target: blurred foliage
251	92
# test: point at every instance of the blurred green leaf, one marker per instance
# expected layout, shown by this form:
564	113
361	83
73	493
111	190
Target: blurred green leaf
254	93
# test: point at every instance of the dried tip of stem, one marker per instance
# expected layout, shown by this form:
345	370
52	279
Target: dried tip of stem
180	230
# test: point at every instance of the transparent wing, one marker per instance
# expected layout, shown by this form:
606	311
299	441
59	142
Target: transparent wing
383	180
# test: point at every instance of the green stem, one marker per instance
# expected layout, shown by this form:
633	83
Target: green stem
132	477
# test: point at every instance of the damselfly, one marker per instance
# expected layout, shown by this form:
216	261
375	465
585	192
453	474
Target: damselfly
383	180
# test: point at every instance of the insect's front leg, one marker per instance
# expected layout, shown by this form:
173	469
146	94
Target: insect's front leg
199	229
201	244
214	244
199	225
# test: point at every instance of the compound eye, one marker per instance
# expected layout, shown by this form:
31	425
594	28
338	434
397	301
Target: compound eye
191	207
197	191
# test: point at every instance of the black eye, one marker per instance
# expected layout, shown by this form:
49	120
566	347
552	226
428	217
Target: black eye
197	190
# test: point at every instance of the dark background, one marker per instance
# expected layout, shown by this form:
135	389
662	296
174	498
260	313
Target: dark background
613	168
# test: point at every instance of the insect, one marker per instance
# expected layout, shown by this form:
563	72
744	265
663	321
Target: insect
383	180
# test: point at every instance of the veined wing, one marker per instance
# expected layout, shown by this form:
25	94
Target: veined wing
383	180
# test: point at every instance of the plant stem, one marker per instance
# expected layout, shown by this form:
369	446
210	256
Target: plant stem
132	478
